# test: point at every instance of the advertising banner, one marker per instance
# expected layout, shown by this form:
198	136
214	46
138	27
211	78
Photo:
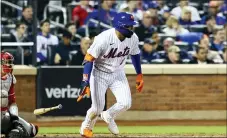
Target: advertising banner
61	85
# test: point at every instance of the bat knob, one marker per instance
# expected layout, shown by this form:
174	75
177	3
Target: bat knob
59	106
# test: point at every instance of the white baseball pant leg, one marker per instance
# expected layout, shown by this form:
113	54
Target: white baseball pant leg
98	88
121	90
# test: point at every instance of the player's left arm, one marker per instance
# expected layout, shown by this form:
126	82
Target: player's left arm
135	57
13	109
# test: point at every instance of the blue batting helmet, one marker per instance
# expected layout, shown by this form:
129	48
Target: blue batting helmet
122	21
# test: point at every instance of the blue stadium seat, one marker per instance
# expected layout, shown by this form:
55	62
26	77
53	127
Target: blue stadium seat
190	38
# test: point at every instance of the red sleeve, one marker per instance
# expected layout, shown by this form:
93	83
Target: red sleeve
12	98
76	12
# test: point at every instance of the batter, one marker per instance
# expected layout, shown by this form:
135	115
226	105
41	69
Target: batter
104	68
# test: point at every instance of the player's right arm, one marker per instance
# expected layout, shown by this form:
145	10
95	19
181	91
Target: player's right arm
93	53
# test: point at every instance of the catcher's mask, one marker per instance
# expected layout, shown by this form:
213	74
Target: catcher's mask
6	62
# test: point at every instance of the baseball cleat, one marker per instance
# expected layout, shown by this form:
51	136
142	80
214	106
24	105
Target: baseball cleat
85	132
112	126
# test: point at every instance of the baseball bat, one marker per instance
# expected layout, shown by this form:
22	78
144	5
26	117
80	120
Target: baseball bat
45	110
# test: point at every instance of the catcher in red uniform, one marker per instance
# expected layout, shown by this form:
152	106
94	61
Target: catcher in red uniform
11	124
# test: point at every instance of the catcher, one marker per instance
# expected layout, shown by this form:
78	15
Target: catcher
11	124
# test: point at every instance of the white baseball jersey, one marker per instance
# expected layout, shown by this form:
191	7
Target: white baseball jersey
43	42
110	52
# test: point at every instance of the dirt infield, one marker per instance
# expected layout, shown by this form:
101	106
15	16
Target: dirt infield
127	136
140	123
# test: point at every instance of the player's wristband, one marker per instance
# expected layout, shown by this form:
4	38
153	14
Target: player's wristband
87	70
136	63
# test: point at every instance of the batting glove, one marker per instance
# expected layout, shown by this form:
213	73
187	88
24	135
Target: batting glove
84	88
139	83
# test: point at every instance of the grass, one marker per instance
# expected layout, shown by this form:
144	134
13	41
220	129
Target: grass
141	130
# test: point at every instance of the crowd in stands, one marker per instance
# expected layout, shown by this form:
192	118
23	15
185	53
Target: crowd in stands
184	32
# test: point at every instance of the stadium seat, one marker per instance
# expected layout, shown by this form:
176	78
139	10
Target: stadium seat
197	28
190	38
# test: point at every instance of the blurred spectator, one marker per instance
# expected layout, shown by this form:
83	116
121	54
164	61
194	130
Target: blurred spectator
164	16
219	38
223	6
26	17
153	8
186	17
224	54
80	12
201	57
173	56
20	34
71	27
44	38
210	25
105	14
168	42
173	27
131	7
148	52
157	40
211	55
213	11
78	58
162	7
62	56
145	29
177	11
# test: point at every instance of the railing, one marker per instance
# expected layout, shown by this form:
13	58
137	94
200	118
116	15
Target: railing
63	27
62	9
12	5
20	45
96	22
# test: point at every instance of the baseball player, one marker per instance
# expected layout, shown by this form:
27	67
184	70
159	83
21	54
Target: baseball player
11	124
104	68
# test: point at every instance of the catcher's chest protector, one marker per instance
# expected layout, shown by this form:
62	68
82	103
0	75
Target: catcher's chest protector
6	83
